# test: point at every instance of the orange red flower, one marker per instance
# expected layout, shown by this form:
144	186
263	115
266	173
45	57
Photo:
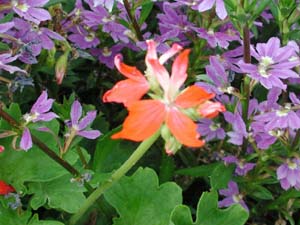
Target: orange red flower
170	106
5	188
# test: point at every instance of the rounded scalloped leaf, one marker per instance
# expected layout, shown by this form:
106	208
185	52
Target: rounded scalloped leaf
208	213
140	200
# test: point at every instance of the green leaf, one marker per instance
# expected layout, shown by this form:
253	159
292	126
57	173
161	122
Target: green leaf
110	154
199	171
259	192
59	194
18	167
146	10
9	216
208	213
140	200
35	221
220	176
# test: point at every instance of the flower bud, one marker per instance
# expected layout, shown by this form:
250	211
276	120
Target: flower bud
61	67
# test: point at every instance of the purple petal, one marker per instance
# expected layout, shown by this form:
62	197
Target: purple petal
26	142
39	102
206	5
46	117
88	119
220	9
76	112
90	134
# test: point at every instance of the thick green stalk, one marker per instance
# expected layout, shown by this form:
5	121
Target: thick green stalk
133	159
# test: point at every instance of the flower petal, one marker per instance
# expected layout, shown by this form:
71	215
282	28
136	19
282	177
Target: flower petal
76	112
179	69
160	73
130	72
192	96
183	128
90	134
210	109
126	91
144	119
5	188
26	142
87	120
168	54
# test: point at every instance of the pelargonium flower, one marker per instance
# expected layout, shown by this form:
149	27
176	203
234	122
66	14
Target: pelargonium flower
274	63
38	112
242	168
31	10
169	106
289	174
5	188
232	196
7	58
2	148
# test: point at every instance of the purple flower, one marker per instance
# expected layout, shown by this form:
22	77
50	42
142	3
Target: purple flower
217	74
239	128
31	10
84	39
208	4
100	16
108	4
7	58
210	130
274	63
39	112
232	196
289	174
282	118
106	55
26	142
40	109
215	39
174	22
78	127
242	168
6	26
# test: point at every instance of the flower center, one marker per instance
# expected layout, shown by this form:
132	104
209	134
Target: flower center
106	52
90	37
292	165
23	7
263	66
214	127
237	198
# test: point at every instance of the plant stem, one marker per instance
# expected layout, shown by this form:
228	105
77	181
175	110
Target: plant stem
135	24
247	80
133	159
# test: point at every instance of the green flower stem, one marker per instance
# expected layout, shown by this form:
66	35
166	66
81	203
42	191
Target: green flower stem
133	159
135	24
